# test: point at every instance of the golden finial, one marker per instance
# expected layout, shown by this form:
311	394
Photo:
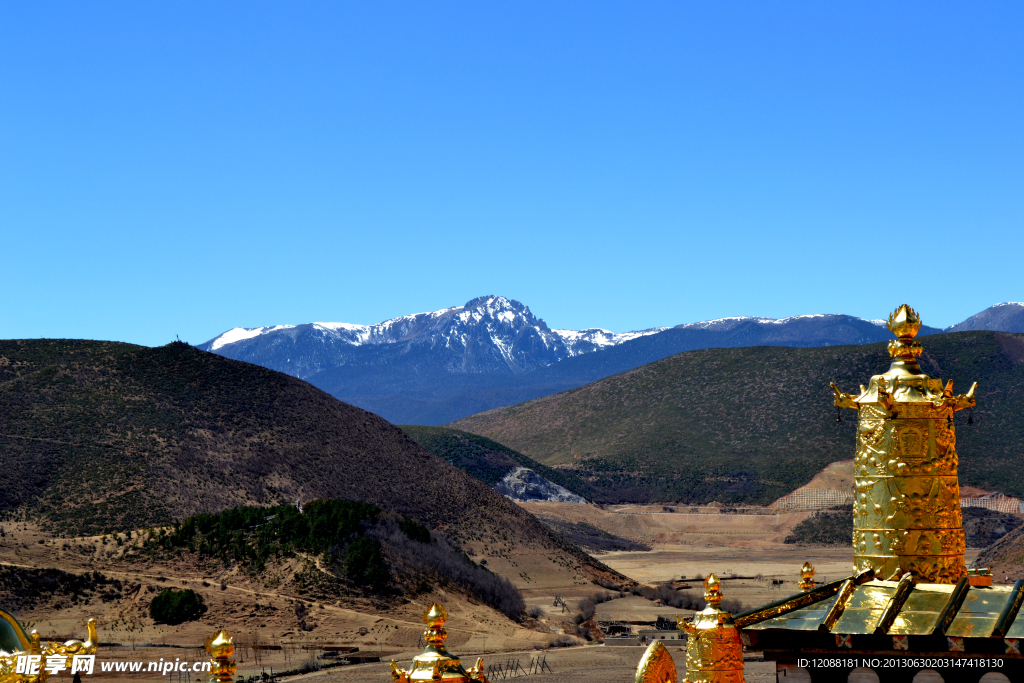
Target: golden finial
905	323
436	663
714	650
435	616
712	590
221	647
807	573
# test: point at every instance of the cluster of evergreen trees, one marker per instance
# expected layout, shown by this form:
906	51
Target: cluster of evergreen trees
251	536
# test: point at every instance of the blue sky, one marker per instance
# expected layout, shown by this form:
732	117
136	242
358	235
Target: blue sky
184	168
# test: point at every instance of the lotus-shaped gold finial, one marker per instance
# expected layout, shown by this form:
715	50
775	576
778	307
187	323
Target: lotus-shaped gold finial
221	647
904	322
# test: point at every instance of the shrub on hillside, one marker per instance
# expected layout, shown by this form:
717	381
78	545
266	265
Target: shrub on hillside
173	606
825	527
364	564
414	530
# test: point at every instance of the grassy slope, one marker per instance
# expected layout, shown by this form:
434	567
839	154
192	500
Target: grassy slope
487	460
98	436
751	424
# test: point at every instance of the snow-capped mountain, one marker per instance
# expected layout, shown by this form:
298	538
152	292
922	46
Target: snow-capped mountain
434	368
489	333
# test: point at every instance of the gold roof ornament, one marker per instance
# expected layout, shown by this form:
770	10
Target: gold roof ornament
15	643
656	666
714	652
221	646
907	494
436	663
807	573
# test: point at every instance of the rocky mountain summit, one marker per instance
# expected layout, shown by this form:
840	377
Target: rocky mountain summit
487	334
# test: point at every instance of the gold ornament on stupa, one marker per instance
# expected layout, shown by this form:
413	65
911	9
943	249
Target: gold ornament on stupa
907	496
436	663
714	652
807	572
221	646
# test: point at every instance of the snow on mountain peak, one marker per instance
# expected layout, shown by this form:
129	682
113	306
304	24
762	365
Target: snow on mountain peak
242	333
594	338
506	324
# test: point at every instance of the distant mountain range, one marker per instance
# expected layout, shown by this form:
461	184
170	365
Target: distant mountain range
434	368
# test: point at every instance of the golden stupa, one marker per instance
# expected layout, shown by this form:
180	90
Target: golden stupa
906	514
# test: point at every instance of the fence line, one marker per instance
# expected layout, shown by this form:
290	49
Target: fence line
820	499
814	499
995	501
513	668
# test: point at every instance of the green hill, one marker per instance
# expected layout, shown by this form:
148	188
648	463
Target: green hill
487	460
752	424
103	436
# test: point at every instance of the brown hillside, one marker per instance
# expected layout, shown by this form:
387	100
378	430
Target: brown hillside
1005	557
98	436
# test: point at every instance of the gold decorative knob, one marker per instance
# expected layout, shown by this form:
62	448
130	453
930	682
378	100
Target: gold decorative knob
221	647
713	590
807	573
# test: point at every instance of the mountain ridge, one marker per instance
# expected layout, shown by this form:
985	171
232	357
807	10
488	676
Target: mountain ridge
433	368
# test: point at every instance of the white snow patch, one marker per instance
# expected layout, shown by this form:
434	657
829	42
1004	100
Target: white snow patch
780	321
348	327
600	337
242	333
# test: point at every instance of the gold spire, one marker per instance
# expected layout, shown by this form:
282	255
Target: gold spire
713	590
905	323
436	663
907	499
714	652
221	646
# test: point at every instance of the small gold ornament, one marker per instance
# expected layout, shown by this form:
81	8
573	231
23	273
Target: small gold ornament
221	647
807	573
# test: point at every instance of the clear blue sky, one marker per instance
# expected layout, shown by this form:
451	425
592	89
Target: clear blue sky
184	168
